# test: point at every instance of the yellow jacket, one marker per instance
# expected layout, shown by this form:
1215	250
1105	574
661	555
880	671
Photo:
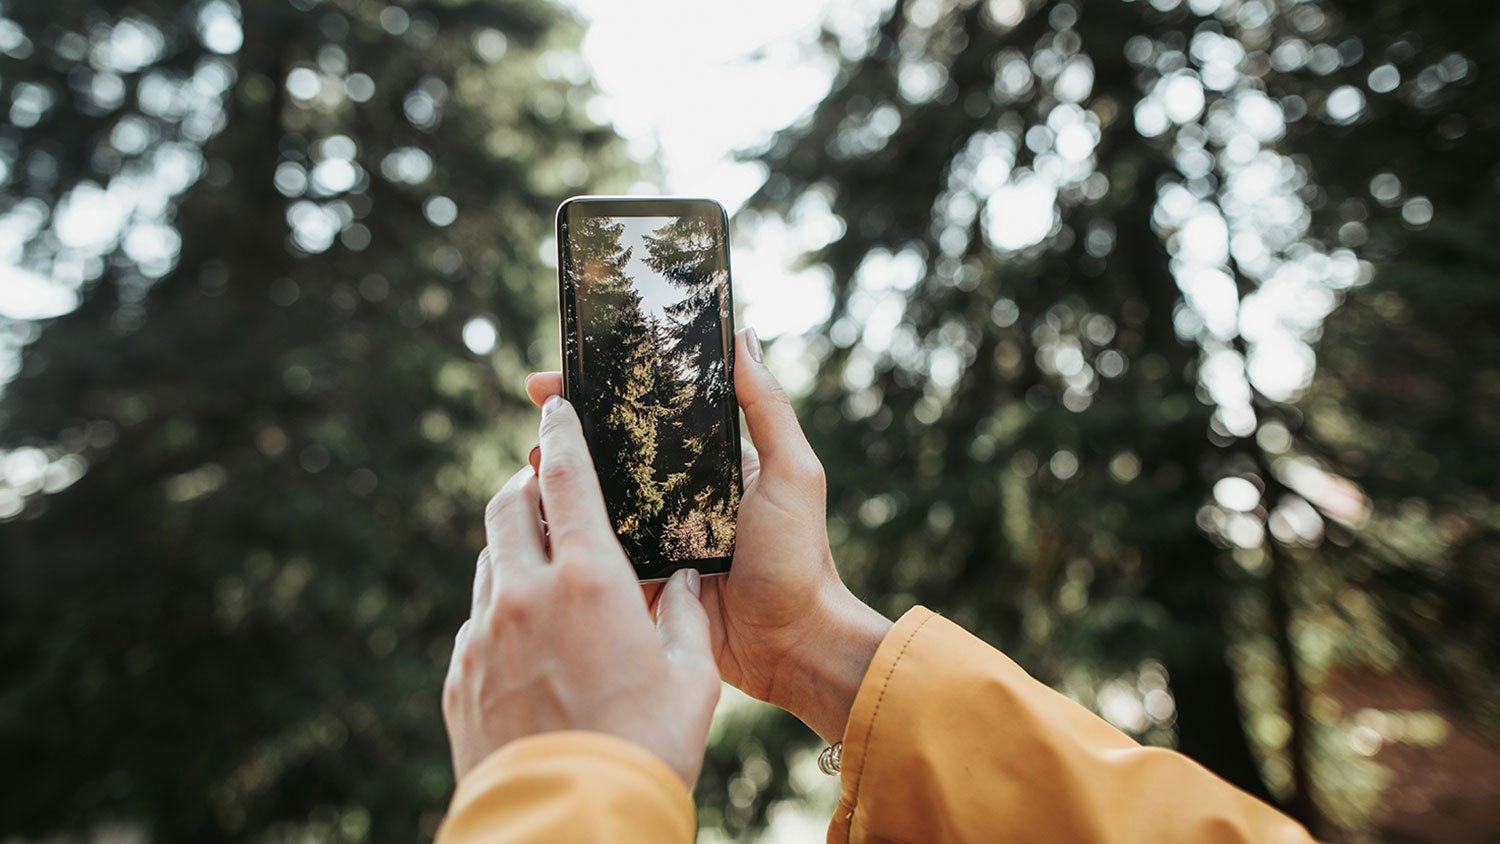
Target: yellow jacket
948	741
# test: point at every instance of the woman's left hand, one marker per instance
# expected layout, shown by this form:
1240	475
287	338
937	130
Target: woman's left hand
559	638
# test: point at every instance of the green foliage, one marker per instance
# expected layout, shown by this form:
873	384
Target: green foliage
687	253
243	479
622	382
1029	451
235	624
1407	398
1034	446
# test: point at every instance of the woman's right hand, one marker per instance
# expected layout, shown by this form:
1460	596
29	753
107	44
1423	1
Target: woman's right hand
785	629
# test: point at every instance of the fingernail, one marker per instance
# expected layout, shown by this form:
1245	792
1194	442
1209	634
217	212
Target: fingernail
535	458
553	402
752	342
694	581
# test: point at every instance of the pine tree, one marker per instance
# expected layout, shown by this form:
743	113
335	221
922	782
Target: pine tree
1404	400
226	611
1034	443
689	256
620	353
1029	452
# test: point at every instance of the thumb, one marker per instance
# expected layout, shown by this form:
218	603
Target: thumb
681	621
773	424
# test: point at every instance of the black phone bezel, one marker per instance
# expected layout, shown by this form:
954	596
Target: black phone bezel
663	206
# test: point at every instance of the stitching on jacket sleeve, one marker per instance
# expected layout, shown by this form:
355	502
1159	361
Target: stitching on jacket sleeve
859	775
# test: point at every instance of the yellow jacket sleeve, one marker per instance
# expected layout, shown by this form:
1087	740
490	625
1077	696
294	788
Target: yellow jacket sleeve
570	787
949	741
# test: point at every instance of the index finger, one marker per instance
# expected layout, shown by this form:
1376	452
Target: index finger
576	516
513	526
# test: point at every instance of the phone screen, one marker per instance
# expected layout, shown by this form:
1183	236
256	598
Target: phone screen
648	348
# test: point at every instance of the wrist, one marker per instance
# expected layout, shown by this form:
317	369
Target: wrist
820	678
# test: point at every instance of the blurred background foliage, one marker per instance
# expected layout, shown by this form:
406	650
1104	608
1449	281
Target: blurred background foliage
1162	355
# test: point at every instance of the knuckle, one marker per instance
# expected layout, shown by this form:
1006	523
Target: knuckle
452	696
764	401
778	395
810	470
461	642
779	403
483	565
563	470
512	611
466	663
576	543
581	581
558	422
498	504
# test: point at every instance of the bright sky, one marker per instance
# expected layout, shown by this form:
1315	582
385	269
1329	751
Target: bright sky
692	83
697	80
656	293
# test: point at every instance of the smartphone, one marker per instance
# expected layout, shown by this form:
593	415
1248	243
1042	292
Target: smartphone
647	325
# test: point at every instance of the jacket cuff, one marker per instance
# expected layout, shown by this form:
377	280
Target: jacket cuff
567	783
864	716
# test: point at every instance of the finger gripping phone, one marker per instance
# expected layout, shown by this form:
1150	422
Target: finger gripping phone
648	361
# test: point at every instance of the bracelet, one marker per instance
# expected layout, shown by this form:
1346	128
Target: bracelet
831	758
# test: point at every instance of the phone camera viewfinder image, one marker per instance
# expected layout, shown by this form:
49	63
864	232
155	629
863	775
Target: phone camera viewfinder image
648	348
